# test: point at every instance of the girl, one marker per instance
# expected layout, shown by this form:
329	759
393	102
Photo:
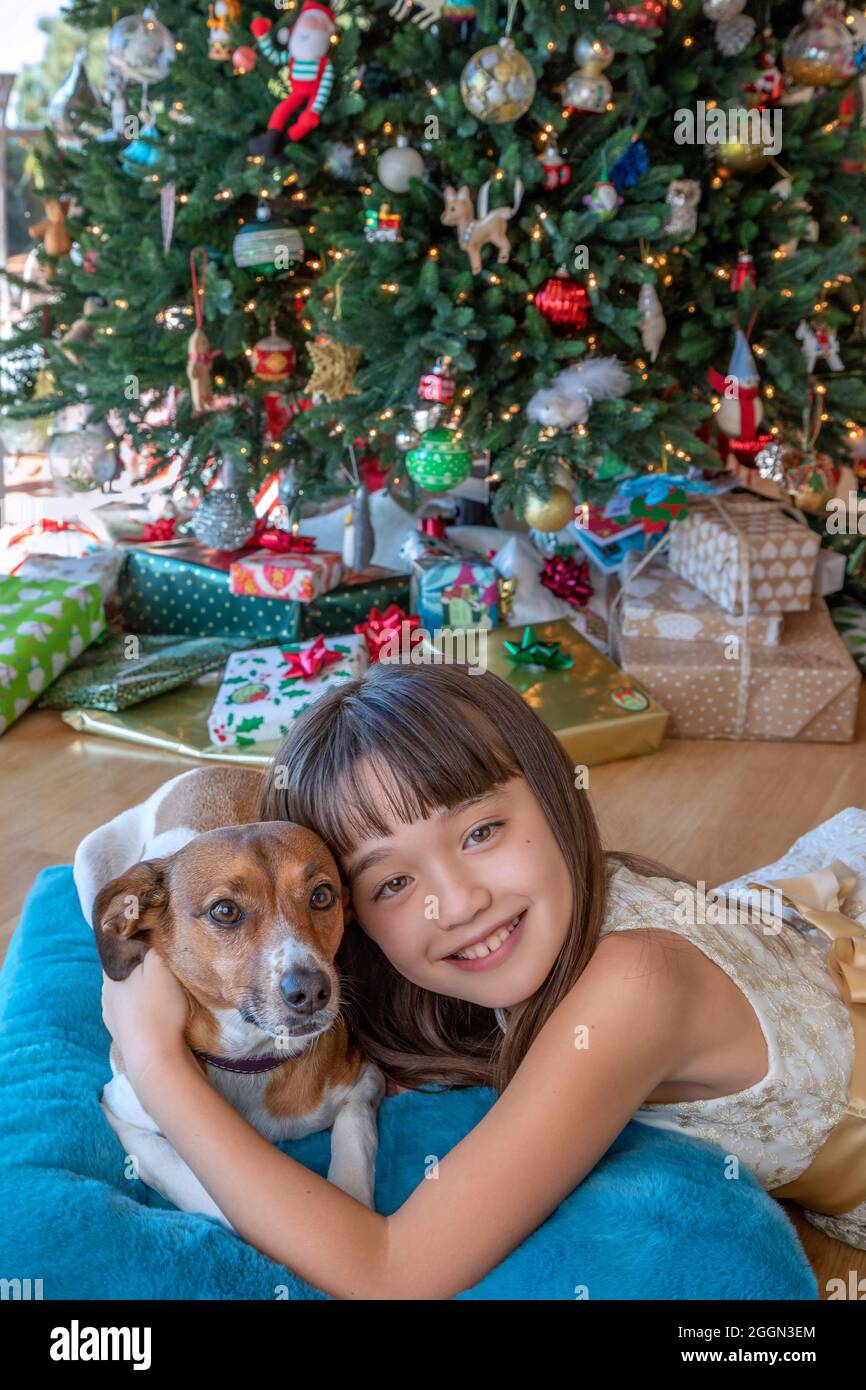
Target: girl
491	941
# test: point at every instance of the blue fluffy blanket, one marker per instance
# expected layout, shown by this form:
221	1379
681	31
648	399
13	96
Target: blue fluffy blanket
655	1219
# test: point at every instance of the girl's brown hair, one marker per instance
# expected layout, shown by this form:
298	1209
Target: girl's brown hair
445	734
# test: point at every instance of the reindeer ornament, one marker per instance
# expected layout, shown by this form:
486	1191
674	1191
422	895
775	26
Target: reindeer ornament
476	231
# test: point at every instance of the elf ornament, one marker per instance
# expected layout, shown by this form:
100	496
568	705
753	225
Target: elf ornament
604	198
556	172
740	410
308	77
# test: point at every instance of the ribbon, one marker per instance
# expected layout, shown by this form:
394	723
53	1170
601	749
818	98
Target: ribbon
433	526
46	524
267	537
568	579
310	662
378	628
160	530
531	651
835	1180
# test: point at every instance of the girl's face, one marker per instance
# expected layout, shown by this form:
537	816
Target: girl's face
488	872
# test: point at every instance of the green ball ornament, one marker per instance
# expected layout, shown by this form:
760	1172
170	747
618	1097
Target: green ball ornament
440	460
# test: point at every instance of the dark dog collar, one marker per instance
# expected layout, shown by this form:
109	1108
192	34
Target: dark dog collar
247	1065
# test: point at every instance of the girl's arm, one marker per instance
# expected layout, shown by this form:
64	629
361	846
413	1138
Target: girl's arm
617	1034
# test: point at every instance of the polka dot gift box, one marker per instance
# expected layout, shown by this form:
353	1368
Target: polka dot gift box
44	626
186	592
705	549
263	691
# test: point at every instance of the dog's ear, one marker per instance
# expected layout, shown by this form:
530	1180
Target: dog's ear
124	914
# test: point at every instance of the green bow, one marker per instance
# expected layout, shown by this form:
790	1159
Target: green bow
530	651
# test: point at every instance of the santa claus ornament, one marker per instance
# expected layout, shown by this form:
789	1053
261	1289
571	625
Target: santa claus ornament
307	77
740	410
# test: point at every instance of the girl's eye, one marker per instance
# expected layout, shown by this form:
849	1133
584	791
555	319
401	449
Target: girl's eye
323	898
226	913
391	886
482	833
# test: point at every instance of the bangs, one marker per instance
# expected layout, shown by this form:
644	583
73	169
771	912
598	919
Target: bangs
401	758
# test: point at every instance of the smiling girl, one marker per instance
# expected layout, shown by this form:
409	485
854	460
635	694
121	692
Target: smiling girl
492	941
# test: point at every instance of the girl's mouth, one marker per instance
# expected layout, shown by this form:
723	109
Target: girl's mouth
495	949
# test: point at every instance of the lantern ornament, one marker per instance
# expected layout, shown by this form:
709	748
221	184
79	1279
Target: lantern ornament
273	357
563	301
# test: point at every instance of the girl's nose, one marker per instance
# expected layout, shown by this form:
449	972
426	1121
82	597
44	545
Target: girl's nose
459	903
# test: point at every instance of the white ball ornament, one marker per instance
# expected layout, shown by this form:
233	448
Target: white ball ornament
399	165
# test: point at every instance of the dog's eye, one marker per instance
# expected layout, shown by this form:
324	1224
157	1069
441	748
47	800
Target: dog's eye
225	913
323	897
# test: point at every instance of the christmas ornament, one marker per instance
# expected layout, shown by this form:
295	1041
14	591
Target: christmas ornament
56	241
649	15
83	459
438	385
819	52
307	78
221	14
71	109
743	276
143	154
358	539
603	200
734	31
200	355
740	410
244	59
768	461
568	399
631	166
167	209
498	84
269	247
334	367
441	460
341	159
652	324
819	342
810	479
406	439
381	224
82	329
476	231
398	165
769	85
682	198
588	90
224	518
140	48
273	357
556	172
567	578
550	513
783	188
741	156
563	301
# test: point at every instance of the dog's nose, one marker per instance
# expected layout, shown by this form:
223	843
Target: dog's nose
305	990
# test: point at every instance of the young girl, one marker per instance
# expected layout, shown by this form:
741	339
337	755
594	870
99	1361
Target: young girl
490	940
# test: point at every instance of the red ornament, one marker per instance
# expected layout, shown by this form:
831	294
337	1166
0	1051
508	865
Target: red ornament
568	579
743	273
745	451
649	15
437	385
244	59
273	358
564	302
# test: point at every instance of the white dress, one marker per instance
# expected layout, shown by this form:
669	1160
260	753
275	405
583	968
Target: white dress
776	1126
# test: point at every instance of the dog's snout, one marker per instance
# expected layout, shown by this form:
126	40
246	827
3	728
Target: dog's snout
305	989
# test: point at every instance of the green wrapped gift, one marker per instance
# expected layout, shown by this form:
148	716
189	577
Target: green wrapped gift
338	611
123	669
185	591
44	626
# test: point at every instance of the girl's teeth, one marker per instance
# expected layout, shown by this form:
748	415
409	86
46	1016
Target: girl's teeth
489	945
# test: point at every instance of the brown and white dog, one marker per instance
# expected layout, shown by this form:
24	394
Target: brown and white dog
249	916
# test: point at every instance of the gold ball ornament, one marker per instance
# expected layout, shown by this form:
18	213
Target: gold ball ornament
498	84
741	157
550	513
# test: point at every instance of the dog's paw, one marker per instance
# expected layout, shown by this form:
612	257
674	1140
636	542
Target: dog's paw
135	1143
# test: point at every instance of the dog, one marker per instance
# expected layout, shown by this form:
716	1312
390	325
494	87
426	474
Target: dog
249	915
473	232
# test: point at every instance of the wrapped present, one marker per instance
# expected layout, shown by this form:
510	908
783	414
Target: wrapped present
459	591
264	690
114	675
705	549
295	577
597	713
829	573
849	620
43	627
658	603
185	592
100	567
130	522
350	603
805	688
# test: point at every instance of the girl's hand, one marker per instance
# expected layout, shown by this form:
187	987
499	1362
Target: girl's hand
146	1014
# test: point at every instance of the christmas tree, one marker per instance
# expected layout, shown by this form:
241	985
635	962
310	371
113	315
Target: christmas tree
606	240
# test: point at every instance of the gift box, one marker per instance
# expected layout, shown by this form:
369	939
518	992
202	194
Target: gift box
185	591
43	627
597	713
297	577
658	603
100	567
112	675
805	688
458	591
263	691
782	553
350	603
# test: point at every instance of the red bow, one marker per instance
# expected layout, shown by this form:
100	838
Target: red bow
311	661
378	627
432	526
161	530
267	537
568	579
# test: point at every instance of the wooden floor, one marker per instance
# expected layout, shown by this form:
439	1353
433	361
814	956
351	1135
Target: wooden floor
711	810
